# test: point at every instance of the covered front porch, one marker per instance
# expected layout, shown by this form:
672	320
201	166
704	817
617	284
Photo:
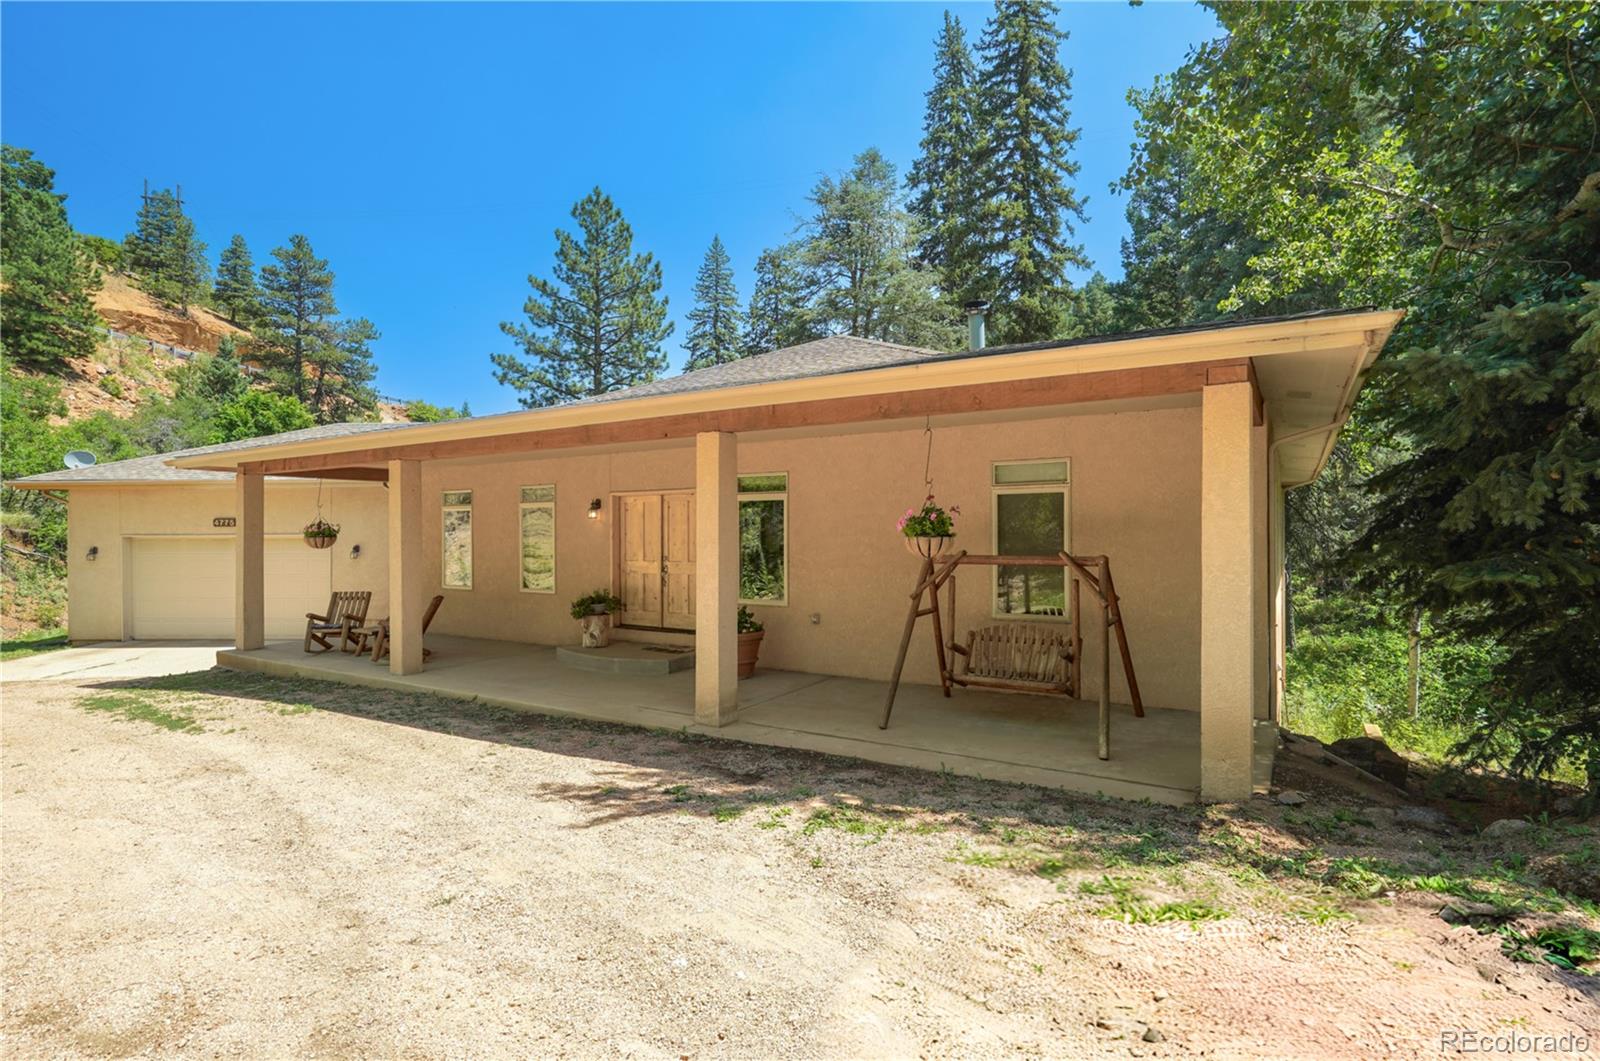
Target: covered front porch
1038	740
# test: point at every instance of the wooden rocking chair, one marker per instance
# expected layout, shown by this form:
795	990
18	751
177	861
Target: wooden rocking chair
346	608
377	635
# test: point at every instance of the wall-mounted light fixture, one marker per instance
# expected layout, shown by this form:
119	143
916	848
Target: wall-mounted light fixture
93	553
355	552
594	508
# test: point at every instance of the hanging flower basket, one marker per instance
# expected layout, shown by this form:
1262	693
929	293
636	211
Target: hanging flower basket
320	534
929	530
930	545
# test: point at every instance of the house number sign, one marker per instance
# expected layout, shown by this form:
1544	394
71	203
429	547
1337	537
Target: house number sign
225	521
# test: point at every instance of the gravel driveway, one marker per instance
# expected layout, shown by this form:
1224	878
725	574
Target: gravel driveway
223	864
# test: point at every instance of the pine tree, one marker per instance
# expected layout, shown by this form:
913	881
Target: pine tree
236	291
858	256
943	178
163	252
1027	173
598	325
716	319
777	316
45	279
297	316
1095	308
342	373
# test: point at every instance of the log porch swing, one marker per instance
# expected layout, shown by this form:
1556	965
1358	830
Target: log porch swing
1020	656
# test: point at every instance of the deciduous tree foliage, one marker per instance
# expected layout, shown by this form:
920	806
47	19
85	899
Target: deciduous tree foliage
45	278
598	324
255	413
716	319
1443	158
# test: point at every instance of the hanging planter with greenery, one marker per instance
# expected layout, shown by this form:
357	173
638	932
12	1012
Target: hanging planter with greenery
320	534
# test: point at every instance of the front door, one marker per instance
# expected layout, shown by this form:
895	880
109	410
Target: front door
656	568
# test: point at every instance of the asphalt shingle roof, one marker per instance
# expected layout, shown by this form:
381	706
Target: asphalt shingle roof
154	468
820	357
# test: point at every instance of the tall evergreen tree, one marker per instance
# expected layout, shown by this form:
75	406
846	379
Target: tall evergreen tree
298	314
342	373
1095	308
858	251
598	324
716	319
1027	191
778	316
163	251
45	279
236	291
943	180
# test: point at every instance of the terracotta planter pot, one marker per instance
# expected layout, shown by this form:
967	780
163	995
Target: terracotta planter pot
749	649
932	548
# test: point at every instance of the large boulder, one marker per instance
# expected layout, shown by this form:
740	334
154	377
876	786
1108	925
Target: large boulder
1374	756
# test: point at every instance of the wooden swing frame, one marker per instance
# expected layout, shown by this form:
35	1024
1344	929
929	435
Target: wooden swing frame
1091	571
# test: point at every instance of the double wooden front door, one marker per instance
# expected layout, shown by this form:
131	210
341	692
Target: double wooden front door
657	560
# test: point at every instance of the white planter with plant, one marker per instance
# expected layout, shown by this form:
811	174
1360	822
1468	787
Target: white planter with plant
931	529
593	612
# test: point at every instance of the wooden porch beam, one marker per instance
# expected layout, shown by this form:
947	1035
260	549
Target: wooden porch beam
366	475
1115	385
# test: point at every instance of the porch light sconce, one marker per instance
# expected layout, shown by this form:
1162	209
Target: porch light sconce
594	508
355	552
93	553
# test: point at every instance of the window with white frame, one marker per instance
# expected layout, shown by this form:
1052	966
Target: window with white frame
455	563
537	518
764	539
1031	518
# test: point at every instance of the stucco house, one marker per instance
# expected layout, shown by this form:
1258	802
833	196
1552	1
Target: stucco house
777	481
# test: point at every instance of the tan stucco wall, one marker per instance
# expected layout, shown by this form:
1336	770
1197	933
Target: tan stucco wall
108	516
1135	496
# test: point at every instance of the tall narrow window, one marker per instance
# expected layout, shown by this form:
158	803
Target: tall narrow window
537	514
1030	519
455	565
764	539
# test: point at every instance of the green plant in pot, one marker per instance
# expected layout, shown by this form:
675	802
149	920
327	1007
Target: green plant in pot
930	529
750	634
593	612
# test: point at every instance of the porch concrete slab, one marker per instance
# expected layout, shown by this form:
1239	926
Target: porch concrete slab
1036	740
628	657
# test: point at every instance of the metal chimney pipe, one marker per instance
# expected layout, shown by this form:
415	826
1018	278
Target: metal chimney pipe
976	339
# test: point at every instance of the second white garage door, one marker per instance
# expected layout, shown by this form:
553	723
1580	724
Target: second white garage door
183	587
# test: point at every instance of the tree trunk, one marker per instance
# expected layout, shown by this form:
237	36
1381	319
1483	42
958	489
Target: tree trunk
1414	661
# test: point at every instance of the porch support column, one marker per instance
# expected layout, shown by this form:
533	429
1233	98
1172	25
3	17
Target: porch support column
1228	574
716	574
406	590
249	563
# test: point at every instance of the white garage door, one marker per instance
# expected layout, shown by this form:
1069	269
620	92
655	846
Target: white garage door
183	587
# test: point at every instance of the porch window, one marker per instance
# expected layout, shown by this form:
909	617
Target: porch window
537	515
764	539
455	565
1030	519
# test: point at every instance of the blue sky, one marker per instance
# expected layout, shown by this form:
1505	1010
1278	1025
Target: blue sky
429	151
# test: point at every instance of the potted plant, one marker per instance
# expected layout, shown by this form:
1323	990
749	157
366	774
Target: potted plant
929	529
593	612
750	634
320	534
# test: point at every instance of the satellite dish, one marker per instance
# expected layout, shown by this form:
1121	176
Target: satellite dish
78	458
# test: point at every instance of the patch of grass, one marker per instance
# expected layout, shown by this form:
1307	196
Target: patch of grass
845	819
134	707
775	818
727	812
32	644
1136	910
1335	826
1320	913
